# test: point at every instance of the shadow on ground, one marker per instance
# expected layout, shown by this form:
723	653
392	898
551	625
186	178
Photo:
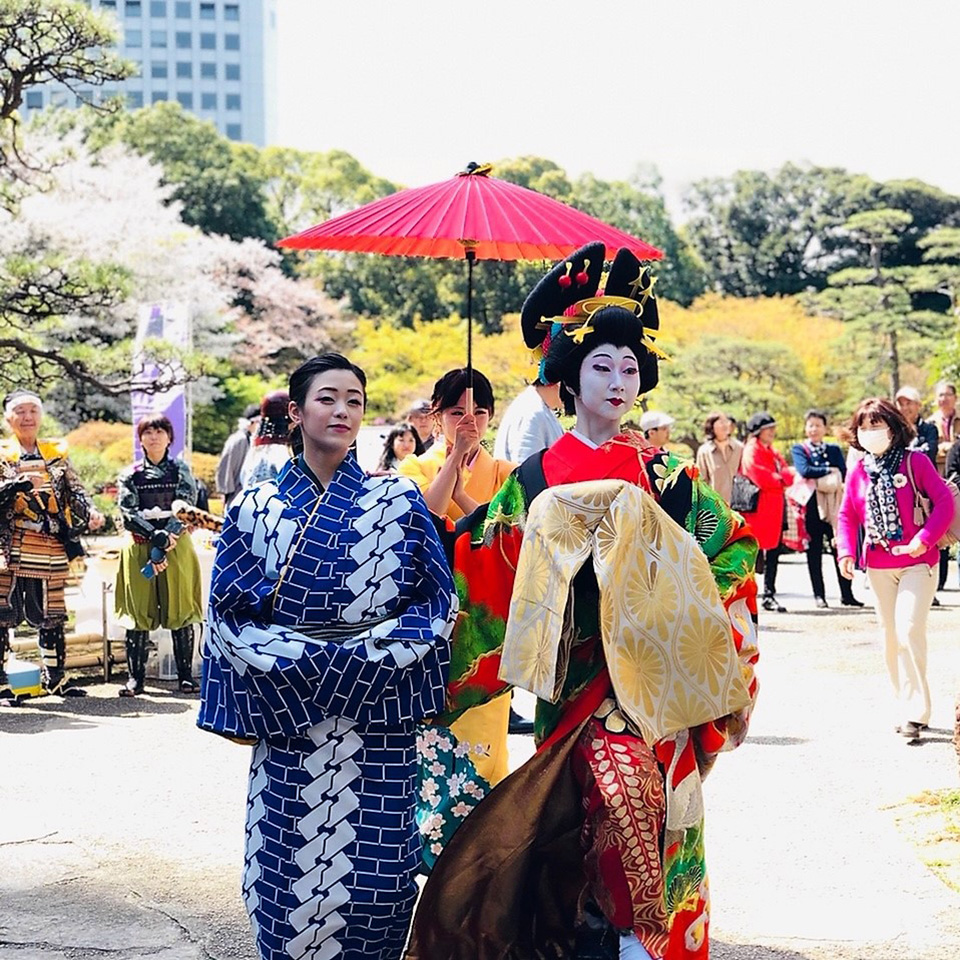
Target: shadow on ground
777	741
36	715
750	951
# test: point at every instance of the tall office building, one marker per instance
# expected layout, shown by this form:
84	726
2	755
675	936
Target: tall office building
216	58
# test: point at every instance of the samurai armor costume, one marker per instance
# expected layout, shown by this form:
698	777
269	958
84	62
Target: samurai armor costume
330	618
39	536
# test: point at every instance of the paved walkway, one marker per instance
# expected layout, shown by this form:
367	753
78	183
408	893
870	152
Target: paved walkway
121	826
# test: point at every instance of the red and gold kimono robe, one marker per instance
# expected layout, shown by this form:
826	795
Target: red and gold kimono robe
586	819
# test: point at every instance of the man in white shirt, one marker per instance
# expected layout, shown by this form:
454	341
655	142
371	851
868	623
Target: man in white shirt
530	423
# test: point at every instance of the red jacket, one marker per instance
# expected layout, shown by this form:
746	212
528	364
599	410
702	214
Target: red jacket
766	467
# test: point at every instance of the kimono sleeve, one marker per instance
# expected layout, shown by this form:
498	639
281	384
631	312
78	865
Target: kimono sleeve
263	679
732	551
486	549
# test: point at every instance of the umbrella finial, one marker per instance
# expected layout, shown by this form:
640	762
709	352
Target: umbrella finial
474	169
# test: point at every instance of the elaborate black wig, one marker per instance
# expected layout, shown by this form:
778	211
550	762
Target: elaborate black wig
564	296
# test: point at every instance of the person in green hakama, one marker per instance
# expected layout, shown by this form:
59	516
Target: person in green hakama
171	597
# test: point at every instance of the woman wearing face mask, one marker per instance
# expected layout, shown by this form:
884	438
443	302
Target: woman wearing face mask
823	465
331	607
900	550
557	840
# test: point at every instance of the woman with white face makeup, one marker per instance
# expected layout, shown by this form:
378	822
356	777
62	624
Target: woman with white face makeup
900	551
551	838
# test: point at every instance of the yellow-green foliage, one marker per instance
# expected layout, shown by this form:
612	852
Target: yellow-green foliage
812	340
403	363
204	467
97	435
120	452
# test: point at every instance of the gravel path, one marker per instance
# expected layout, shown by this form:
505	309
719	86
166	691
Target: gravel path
121	830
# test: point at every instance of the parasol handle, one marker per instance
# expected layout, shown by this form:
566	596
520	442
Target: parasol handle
471	256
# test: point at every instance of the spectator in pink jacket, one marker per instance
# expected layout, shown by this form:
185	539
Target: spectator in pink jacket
900	551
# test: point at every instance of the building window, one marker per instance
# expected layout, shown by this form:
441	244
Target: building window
208	41
208	101
231	41
184	69
158	8
158	69
232	101
185	100
182	10
233	131
58	98
208	71
158	39
34	100
135	99
108	5
184	40
133	38
208	11
158	95
132	8
232	71
231	11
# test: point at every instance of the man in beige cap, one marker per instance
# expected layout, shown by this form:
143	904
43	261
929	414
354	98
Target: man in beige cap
656	427
908	402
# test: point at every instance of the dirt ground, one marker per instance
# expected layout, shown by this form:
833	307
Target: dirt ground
121	825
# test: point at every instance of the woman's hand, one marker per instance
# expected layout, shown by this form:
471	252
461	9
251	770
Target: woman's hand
847	567
467	438
159	567
172	539
916	547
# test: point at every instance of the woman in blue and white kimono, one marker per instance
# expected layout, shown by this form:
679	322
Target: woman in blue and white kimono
331	608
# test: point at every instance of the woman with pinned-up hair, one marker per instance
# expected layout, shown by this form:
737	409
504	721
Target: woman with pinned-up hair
597	556
331	607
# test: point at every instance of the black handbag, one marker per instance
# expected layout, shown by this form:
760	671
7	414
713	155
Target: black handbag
745	495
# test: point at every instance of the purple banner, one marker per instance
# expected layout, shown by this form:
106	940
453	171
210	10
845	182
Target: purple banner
169	322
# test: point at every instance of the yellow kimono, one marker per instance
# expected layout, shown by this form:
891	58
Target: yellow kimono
483	727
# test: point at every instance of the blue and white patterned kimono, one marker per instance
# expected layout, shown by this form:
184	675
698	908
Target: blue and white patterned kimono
330	621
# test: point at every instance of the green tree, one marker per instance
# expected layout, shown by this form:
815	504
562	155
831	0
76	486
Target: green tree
736	375
50	41
303	188
761	234
219	183
941	274
43	41
875	300
637	207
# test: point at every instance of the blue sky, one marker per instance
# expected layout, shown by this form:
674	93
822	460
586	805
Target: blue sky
416	89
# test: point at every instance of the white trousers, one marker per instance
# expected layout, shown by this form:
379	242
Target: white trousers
902	598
